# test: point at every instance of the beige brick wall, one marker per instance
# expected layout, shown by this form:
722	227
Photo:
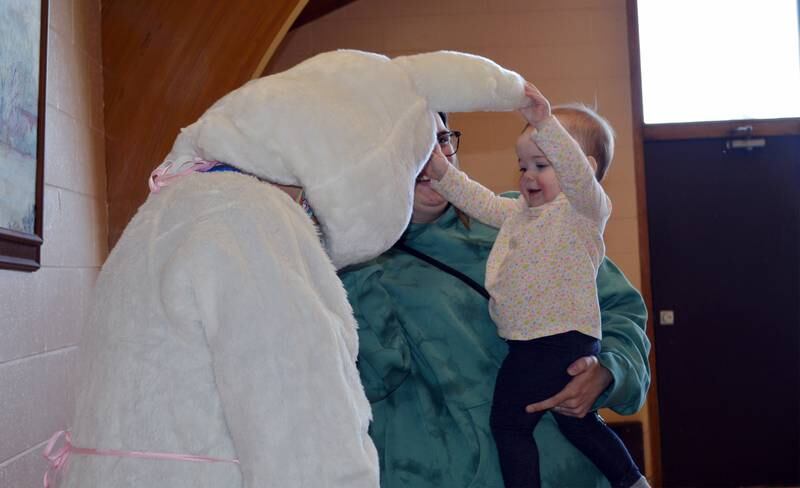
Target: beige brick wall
42	312
573	50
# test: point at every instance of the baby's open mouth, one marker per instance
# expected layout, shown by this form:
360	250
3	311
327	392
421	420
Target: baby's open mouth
422	178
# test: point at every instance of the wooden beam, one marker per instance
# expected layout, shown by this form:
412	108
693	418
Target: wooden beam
654	473
164	64
318	8
722	129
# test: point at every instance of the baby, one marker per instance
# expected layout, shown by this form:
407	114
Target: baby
541	277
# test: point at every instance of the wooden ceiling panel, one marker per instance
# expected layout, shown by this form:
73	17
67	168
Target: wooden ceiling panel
316	9
164	64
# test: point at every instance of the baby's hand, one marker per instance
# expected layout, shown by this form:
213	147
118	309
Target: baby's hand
437	164
539	109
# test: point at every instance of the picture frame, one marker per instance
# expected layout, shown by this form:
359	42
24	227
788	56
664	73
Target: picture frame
23	75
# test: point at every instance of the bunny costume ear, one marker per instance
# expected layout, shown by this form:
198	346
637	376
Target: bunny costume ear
354	129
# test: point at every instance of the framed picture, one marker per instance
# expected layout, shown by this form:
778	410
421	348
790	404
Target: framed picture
23	65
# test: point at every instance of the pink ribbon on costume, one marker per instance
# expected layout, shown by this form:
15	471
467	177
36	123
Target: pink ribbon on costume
58	460
159	177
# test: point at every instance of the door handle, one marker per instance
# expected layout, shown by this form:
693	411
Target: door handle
748	143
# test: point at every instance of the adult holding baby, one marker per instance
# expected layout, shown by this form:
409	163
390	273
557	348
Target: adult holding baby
430	353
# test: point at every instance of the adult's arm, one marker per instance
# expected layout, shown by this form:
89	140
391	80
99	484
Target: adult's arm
384	360
625	346
620	376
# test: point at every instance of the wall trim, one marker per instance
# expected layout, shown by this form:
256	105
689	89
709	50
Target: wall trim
654	439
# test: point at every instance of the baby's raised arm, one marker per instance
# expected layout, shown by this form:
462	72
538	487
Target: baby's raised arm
470	196
575	174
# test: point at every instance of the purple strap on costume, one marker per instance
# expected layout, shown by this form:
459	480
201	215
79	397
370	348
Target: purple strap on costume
57	460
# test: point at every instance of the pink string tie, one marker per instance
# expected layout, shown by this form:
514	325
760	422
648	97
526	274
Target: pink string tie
58	460
160	178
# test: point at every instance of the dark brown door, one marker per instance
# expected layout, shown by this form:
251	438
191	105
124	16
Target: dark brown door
725	261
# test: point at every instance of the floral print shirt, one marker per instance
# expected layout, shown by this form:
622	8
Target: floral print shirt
542	269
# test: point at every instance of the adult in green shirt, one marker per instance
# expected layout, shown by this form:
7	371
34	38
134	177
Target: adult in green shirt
429	355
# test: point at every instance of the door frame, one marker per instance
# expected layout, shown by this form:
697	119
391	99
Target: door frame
675	131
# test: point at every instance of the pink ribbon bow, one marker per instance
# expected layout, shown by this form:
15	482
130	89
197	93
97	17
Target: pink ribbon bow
58	460
159	177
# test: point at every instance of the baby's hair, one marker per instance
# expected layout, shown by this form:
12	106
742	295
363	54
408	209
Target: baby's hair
593	133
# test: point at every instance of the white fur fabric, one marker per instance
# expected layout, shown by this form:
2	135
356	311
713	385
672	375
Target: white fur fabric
222	330
220	327
353	129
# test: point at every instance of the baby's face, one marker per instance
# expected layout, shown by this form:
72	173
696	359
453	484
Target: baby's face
538	183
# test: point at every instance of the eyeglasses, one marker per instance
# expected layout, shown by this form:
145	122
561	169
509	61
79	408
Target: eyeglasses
448	141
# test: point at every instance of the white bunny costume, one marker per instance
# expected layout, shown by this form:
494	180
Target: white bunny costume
220	327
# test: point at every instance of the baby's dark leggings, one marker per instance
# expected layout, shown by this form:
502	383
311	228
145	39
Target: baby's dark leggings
536	370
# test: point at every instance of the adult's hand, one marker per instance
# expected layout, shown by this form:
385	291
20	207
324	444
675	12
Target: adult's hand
589	380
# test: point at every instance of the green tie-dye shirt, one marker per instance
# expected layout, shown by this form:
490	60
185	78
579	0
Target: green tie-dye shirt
429	354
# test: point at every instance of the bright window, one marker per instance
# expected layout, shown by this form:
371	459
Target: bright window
708	60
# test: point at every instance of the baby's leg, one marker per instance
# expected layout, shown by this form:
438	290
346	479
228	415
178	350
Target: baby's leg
512	429
601	445
533	371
